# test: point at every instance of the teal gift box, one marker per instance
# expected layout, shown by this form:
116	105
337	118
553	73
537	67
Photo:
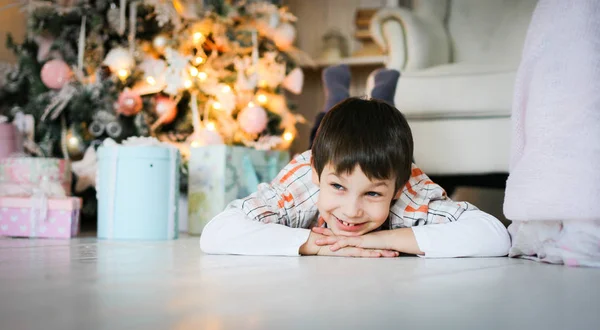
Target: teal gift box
219	174
138	192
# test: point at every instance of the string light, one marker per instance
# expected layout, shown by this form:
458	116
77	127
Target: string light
187	83
73	141
193	71
123	73
217	105
197	37
210	126
151	80
288	136
226	89
262	99
195	144
202	75
199	60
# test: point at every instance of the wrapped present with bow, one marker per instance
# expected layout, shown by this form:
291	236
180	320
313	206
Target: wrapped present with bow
42	210
219	174
21	175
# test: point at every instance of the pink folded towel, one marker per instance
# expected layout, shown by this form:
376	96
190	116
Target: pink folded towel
555	158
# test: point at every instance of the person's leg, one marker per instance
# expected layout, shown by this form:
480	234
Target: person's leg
385	85
336	86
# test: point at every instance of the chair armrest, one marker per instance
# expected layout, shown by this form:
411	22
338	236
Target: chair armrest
413	42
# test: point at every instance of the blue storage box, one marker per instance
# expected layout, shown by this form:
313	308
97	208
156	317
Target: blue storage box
138	192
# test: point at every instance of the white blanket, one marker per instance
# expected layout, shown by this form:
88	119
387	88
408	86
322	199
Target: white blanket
555	159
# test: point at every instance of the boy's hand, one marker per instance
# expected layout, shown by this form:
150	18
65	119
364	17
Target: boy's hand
311	248
397	240
335	243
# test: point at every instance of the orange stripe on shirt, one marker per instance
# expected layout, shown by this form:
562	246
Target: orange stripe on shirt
422	208
285	198
410	189
291	172
416	172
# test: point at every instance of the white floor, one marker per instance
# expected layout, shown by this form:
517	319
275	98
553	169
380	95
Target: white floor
90	284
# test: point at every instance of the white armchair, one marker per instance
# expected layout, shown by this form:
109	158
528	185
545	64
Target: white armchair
458	60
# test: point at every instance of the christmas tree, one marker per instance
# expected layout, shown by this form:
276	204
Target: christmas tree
189	73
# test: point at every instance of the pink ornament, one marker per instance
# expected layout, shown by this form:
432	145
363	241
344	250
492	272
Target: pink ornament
166	109
253	119
55	74
130	103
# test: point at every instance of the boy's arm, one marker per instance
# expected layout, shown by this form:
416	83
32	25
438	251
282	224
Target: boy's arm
231	232
476	234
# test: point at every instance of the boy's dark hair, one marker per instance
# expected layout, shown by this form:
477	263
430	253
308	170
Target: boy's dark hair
368	133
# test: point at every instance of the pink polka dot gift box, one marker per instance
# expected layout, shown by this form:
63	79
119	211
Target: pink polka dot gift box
39	217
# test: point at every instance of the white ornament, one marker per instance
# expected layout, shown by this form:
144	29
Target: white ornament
284	36
119	59
154	79
177	72
85	170
226	97
176	60
294	81
244	82
270	72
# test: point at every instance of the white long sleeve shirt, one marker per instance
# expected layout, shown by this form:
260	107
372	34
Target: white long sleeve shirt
276	220
476	234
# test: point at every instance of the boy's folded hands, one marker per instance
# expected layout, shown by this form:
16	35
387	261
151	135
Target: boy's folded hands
323	242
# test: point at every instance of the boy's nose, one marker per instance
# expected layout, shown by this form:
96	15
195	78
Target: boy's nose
353	209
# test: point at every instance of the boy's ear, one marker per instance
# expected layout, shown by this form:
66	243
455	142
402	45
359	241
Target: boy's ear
315	175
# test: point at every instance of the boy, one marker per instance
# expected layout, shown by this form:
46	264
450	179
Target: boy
355	193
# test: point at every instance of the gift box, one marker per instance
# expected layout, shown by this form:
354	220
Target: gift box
26	173
39	217
8	139
219	174
138	192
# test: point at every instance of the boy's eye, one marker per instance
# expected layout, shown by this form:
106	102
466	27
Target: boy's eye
337	186
373	194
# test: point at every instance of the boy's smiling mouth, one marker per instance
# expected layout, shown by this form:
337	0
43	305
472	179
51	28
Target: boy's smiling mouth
347	226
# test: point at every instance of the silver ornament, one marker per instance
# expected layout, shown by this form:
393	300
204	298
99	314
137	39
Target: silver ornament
141	124
113	17
114	129
97	128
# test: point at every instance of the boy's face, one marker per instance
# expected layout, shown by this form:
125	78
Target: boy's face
351	204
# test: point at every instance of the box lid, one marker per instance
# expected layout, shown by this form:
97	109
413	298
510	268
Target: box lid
137	152
65	203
